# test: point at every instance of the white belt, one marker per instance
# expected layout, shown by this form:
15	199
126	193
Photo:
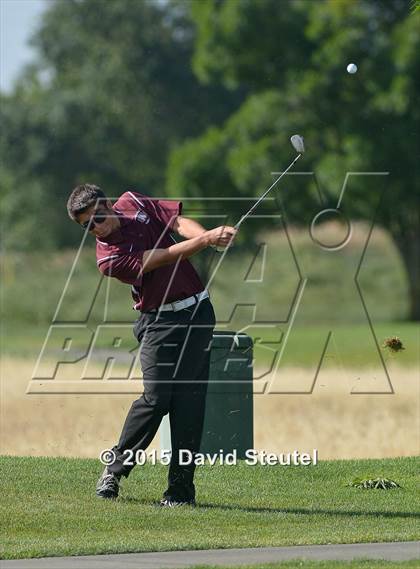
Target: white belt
184	303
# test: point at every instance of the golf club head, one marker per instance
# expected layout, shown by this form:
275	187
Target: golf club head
298	143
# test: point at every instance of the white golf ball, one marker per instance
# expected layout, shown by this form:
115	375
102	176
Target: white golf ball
351	68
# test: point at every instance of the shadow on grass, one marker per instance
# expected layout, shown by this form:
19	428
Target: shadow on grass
304	511
308	511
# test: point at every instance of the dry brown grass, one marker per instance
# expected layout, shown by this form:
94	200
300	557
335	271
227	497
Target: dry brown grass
338	424
56	425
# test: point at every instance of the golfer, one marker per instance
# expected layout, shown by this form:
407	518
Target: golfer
134	244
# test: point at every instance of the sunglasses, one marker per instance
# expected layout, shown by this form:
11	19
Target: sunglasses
97	219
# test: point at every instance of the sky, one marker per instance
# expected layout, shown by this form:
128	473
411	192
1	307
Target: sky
18	19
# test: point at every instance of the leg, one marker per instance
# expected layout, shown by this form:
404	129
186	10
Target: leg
186	419
188	403
160	348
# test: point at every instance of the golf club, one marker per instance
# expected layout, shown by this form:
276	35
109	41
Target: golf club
299	145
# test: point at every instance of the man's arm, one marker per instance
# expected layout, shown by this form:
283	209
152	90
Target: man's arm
129	268
154	258
188	228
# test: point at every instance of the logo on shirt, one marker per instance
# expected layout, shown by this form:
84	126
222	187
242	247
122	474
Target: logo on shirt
142	217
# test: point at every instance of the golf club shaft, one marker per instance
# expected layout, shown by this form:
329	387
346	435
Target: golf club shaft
266	192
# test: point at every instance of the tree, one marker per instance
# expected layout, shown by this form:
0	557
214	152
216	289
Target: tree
292	57
111	92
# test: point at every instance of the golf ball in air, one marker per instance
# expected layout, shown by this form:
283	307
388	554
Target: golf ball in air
351	68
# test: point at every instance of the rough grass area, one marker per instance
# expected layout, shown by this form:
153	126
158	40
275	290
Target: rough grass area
350	345
49	508
245	277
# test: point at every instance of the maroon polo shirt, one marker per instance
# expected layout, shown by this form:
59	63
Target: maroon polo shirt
146	223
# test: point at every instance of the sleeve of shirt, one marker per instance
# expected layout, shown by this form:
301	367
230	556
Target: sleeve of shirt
165	211
126	268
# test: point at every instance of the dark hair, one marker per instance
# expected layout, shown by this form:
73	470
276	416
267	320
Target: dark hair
82	198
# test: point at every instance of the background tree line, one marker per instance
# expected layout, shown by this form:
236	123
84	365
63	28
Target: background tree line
199	97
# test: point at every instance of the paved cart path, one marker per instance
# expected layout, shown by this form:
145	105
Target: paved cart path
395	551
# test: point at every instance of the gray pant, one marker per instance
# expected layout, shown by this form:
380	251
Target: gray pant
175	358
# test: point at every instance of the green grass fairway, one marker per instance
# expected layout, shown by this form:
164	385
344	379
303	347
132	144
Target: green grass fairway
49	508
362	564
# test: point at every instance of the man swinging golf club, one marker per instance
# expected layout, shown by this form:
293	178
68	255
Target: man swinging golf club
175	326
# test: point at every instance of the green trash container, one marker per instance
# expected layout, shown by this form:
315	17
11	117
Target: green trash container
229	417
